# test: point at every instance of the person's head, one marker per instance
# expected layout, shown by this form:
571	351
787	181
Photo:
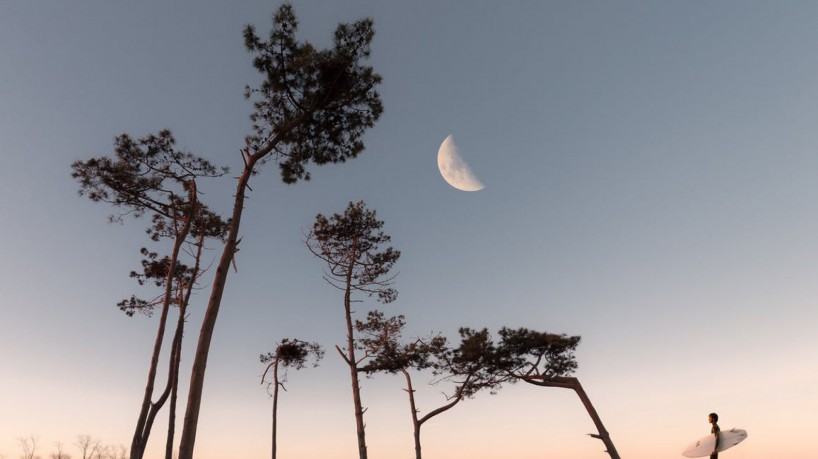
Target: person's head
713	417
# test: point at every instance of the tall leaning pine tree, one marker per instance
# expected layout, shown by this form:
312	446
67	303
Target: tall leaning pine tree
313	106
352	245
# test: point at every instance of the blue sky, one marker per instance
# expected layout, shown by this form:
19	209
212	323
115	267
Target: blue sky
651	185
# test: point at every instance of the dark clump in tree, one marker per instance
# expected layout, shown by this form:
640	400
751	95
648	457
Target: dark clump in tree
312	107
526	353
547	360
145	175
150	176
289	353
352	246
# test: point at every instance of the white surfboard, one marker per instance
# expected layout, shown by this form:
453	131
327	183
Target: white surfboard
704	446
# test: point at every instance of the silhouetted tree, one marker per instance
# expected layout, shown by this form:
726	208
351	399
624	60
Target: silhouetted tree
151	176
313	106
471	367
183	279
29	446
289	353
111	452
87	445
476	364
59	453
380	339
351	244
547	360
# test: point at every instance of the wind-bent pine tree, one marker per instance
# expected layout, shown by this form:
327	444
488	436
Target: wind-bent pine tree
351	245
380	339
313	106
289	353
150	176
470	367
547	360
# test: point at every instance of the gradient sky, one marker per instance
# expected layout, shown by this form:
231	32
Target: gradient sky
651	173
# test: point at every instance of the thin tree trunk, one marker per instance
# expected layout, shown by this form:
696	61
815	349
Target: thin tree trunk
140	435
180	333
415	424
275	405
144	422
573	384
353	364
418	423
173	370
174	390
359	412
194	400
177	350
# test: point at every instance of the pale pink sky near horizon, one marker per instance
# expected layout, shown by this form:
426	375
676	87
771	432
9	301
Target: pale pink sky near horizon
651	175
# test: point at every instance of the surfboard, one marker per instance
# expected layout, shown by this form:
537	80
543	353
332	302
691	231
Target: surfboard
704	446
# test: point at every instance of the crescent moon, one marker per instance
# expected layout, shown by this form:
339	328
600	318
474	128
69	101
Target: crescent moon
454	169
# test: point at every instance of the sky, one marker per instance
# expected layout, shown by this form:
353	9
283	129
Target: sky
651	185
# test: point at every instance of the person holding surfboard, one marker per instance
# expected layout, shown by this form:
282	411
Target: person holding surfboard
716	441
713	418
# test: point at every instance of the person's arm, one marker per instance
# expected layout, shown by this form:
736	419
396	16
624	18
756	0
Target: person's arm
716	432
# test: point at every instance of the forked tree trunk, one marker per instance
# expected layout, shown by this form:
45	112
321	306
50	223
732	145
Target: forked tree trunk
413	409
418	423
148	411
573	384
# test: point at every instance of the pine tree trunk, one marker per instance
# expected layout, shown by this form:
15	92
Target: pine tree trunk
275	405
415	424
573	384
143	423
359	413
194	400
353	366
173	397
176	358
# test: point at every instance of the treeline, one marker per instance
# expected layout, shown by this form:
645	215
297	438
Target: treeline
312	107
85	446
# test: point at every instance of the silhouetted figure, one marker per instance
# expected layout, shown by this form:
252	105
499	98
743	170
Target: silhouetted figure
713	418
